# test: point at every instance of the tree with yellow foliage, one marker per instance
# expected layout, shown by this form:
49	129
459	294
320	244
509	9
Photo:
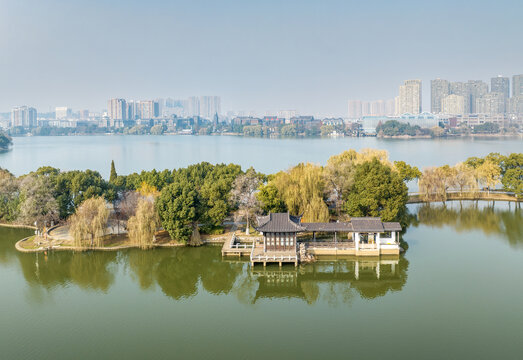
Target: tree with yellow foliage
144	224
302	188
89	222
489	174
147	190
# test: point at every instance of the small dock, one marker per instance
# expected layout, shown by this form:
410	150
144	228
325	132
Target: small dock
285	256
234	247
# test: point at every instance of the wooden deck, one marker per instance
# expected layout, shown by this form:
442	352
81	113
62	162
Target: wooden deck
280	257
234	247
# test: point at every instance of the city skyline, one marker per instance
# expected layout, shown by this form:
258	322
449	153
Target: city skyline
257	57
206	106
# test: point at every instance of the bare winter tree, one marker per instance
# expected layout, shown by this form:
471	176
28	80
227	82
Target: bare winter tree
38	204
243	196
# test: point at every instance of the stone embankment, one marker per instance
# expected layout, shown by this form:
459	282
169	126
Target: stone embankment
304	256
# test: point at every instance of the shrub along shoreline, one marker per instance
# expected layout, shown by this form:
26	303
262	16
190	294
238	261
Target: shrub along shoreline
202	200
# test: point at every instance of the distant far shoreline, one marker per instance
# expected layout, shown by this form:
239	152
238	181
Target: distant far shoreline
492	136
404	137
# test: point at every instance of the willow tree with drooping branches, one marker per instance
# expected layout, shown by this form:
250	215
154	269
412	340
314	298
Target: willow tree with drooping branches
143	225
89	223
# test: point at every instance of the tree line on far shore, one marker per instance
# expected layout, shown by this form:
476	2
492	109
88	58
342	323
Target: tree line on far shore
199	198
472	175
5	141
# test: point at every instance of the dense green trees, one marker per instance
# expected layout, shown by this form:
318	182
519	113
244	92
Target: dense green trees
396	128
178	208
270	199
289	131
512	173
406	172
199	194
377	191
255	130
486	128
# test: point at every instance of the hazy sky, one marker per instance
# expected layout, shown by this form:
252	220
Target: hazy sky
257	55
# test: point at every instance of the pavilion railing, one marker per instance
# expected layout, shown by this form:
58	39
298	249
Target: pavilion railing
330	245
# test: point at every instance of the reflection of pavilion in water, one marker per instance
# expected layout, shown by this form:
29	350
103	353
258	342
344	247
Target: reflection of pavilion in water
370	277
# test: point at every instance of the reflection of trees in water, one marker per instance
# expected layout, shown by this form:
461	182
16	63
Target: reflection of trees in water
178	273
245	291
143	265
490	220
88	270
335	282
181	272
91	270
390	280
177	277
8	238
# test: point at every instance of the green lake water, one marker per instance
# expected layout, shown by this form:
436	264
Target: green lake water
457	293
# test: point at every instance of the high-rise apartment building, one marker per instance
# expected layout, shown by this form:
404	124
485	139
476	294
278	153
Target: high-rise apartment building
365	108
390	107
517	85
193	106
377	107
23	116
453	104
461	89
515	105
439	89
500	84
131	110
209	106
354	109
117	109
492	103
477	89
147	109
358	109
410	97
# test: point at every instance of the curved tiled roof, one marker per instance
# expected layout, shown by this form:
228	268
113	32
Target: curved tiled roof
279	222
284	222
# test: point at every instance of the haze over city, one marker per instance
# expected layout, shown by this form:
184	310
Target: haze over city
266	56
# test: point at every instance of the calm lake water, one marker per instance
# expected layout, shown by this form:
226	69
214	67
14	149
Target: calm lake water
136	153
456	293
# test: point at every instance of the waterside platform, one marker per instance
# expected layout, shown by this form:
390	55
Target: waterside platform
235	247
258	255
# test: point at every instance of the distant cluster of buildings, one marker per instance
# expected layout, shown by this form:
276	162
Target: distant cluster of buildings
475	96
120	113
452	103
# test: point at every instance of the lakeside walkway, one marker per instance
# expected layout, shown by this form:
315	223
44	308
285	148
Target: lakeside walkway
417	198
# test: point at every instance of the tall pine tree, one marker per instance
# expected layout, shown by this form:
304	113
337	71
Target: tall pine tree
114	175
